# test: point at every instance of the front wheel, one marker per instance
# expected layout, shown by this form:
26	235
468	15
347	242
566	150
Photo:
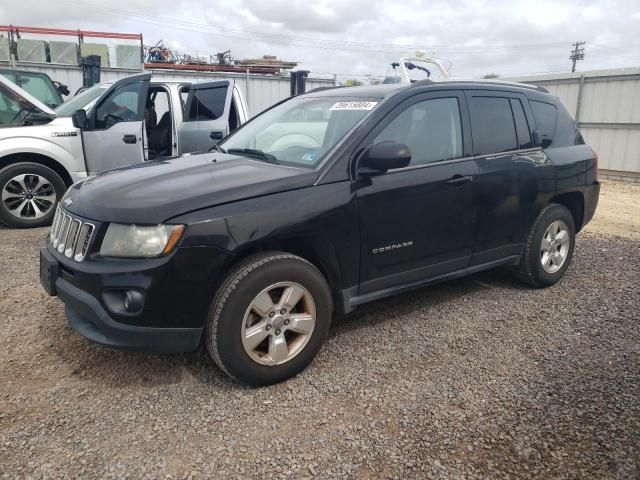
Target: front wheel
29	194
269	318
549	247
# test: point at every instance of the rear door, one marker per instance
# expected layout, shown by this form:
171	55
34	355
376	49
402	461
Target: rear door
114	137
206	116
511	172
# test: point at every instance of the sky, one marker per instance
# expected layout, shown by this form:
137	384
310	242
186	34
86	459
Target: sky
359	39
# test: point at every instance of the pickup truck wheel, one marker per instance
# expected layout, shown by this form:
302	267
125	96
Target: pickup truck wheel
29	194
549	247
269	318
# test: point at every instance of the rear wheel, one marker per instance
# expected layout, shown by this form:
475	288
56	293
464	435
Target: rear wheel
29	193
549	247
269	318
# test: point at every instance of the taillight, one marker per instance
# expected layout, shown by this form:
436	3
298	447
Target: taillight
595	163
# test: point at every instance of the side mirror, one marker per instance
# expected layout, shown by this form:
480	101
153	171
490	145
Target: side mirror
62	89
384	156
79	119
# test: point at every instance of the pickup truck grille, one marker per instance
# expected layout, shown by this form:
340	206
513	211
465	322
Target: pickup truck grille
71	236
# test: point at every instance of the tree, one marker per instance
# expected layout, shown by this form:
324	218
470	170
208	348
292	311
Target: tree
352	83
491	75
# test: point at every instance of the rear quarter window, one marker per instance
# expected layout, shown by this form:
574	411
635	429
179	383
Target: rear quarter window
546	116
556	125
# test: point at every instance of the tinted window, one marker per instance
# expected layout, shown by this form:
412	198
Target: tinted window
431	129
122	105
546	116
206	103
492	124
522	126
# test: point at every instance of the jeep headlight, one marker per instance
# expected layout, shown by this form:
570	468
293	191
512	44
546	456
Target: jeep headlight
139	240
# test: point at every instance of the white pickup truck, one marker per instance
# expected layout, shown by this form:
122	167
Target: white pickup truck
109	125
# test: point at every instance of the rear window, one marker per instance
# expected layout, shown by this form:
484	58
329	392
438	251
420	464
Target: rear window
493	127
546	116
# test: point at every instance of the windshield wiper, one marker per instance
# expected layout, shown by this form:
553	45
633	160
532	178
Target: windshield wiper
253	152
218	148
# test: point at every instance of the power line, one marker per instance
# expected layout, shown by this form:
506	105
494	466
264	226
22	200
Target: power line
307	41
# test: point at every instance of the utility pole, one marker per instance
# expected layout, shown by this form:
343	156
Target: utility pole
576	54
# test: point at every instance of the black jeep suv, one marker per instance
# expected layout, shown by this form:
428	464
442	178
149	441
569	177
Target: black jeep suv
323	202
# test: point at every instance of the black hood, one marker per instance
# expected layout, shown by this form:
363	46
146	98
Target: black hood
156	191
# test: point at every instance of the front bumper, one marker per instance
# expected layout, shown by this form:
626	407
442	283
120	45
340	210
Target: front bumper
87	317
177	291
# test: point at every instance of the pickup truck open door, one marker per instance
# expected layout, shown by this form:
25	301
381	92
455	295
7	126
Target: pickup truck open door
206	115
114	133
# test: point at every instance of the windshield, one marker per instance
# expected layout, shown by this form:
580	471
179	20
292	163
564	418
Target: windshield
81	100
300	131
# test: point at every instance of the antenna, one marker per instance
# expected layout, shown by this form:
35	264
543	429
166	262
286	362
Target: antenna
576	54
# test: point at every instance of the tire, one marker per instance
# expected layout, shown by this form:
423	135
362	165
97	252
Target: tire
552	220
16	182
240	302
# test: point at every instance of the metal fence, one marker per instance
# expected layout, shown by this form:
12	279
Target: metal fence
606	105
260	91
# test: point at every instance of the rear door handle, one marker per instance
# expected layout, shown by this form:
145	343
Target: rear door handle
130	138
458	180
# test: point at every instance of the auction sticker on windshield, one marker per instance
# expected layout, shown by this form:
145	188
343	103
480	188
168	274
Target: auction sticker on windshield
361	105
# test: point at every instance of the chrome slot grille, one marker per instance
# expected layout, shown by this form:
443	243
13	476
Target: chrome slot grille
70	236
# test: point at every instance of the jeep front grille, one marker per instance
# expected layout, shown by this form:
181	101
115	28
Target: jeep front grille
70	236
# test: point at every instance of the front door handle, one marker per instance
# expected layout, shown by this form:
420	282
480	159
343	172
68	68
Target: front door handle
215	135
130	138
458	180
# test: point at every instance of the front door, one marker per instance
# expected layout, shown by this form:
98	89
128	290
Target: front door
114	137
418	222
206	116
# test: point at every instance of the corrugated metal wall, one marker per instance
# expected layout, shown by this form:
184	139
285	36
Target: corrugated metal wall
606	104
262	92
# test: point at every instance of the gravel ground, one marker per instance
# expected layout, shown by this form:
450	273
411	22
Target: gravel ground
477	378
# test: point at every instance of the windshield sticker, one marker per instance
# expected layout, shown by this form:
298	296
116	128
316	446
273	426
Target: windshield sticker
354	105
308	157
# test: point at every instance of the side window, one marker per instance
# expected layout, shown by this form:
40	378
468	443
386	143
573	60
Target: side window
206	104
122	105
522	126
431	129
493	127
546	116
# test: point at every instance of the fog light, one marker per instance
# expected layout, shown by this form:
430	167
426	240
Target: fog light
133	301
124	301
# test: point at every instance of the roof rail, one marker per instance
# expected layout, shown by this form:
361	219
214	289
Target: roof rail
320	89
483	81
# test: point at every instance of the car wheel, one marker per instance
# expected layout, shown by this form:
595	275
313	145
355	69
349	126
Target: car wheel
269	318
549	247
29	195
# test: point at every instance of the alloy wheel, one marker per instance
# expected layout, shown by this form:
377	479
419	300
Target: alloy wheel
554	247
28	196
278	323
